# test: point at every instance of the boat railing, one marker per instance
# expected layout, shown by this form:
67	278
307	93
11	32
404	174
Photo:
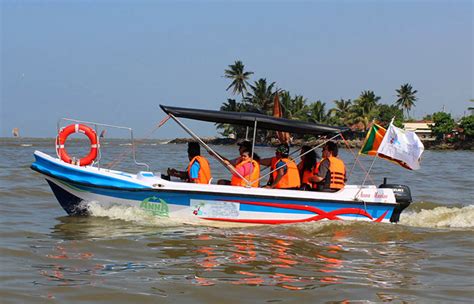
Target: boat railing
96	128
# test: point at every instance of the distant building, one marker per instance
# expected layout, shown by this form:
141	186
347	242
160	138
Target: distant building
421	128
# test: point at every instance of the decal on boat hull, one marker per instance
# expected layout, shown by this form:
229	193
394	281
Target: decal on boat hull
155	206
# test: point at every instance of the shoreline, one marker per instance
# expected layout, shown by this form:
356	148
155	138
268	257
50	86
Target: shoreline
467	145
352	143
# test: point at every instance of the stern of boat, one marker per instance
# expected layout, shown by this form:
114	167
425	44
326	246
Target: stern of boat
402	196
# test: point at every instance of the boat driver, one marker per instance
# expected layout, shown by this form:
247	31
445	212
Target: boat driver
287	175
198	170
331	176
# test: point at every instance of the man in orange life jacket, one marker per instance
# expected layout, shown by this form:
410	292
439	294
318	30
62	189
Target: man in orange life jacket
198	170
331	175
287	176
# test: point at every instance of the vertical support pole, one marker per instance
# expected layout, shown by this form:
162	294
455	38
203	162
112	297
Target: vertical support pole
202	143
254	137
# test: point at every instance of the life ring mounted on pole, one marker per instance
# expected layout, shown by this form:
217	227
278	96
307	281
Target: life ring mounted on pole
77	128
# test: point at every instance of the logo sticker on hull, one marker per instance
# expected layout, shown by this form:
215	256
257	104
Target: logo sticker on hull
215	209
155	206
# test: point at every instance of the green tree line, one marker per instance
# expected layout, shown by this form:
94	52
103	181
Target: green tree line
357	113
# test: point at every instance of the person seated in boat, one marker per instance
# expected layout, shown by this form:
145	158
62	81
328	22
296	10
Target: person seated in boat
307	167
198	170
246	168
285	172
245	145
331	176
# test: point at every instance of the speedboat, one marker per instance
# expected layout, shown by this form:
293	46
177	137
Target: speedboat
77	183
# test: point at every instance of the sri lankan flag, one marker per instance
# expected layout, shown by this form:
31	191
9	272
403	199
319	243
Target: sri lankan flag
372	143
373	140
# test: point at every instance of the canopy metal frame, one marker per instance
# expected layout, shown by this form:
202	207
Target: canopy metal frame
232	168
255	120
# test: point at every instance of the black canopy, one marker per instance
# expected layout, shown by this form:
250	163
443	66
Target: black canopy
248	119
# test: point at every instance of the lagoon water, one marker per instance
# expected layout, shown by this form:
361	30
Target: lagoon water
123	255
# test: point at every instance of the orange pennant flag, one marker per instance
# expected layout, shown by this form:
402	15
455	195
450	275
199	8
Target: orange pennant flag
283	137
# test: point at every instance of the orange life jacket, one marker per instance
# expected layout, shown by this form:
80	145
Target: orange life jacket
273	162
337	171
292	177
305	174
204	175
252	176
315	172
255	174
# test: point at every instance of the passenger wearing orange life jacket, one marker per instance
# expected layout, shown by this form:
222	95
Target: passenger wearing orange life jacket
247	168
332	171
198	170
269	162
285	172
307	167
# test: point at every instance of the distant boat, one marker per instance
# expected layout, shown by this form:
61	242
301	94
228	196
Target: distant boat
16	132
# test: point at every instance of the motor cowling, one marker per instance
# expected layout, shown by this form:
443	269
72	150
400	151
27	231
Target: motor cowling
402	196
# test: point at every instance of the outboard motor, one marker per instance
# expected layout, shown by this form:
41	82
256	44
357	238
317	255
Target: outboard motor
402	196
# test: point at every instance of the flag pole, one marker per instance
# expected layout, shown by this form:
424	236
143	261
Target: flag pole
365	178
368	171
372	164
370	168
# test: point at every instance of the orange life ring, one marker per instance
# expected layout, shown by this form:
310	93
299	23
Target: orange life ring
77	128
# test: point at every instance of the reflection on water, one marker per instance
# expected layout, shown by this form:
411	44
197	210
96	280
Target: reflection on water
221	257
76	228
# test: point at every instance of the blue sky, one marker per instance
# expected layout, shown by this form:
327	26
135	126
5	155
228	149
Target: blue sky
116	61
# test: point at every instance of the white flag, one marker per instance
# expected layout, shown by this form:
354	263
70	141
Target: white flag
402	145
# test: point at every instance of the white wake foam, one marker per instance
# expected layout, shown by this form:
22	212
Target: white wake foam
144	218
130	214
440	217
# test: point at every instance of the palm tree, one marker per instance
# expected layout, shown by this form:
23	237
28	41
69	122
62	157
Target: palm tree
364	109
232	106
261	97
239	78
286	104
358	115
300	108
293	108
341	111
406	98
367	101
317	112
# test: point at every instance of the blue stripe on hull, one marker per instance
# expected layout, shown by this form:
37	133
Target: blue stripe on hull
69	173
